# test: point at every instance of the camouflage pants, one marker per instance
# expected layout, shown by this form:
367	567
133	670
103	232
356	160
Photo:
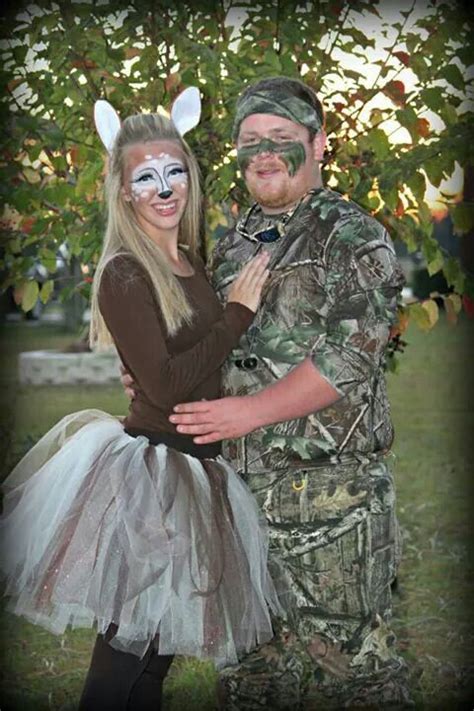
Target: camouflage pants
335	549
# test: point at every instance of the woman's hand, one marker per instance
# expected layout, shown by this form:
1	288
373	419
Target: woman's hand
247	288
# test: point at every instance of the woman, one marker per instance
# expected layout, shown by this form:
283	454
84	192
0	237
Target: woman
133	527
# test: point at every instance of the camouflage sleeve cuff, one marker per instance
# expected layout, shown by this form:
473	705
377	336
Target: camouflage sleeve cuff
346	362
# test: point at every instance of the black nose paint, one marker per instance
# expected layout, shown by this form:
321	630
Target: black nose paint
165	194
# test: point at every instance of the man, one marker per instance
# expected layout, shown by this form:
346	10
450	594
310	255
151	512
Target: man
306	401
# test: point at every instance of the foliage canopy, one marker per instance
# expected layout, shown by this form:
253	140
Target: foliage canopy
377	77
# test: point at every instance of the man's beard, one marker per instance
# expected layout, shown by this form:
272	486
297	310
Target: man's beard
267	197
274	196
272	193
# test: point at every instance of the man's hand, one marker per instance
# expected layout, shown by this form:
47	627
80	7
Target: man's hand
299	393
127	382
213	420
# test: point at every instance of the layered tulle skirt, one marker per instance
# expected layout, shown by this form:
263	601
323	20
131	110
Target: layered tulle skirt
100	528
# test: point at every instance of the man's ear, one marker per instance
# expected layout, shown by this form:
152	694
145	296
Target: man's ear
319	144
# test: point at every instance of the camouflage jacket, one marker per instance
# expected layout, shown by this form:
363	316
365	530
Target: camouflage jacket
332	295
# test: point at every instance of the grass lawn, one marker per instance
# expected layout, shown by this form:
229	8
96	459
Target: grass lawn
434	604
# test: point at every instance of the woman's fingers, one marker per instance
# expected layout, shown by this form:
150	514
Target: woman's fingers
254	267
247	288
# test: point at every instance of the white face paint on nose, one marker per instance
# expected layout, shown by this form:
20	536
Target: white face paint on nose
158	175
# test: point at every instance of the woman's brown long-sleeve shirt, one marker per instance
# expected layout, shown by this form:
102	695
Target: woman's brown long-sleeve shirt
167	369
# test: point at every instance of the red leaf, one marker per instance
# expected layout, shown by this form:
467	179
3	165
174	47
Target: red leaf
468	305
336	8
395	90
339	106
400	209
27	224
172	81
132	52
14	83
423	127
84	64
404	57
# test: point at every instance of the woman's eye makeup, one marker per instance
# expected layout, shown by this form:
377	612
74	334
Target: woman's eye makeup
177	171
144	178
161	173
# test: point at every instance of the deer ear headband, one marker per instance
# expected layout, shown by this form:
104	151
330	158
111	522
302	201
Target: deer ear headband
185	114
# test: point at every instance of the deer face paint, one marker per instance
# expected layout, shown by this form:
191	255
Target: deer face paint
155	182
157	175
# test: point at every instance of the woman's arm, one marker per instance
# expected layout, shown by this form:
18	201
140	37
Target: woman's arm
127	304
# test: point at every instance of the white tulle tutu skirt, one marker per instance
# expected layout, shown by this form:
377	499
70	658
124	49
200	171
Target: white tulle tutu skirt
100	528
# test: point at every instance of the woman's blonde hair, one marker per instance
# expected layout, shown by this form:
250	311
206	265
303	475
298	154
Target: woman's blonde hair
125	236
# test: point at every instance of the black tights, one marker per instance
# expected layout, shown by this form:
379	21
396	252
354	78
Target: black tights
117	681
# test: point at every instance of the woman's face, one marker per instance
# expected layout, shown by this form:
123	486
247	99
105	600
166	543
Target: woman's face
155	181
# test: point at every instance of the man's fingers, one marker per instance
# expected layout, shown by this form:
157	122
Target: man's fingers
194	418
186	407
198	429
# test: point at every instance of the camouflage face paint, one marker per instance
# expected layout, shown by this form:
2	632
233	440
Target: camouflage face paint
292	153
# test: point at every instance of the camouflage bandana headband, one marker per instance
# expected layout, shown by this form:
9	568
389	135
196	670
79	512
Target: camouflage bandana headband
279	103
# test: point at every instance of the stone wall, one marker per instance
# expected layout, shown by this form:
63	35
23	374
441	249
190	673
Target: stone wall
57	368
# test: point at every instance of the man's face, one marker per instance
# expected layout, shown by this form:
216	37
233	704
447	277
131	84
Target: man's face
278	160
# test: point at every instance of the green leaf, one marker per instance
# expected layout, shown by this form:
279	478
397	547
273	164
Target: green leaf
449	114
417	184
407	117
273	60
453	75
433	97
46	290
463	217
454	275
433	256
29	295
435	170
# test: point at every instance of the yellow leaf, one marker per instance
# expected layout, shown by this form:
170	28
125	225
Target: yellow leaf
29	295
424	314
456	301
31	175
431	308
452	306
215	217
46	290
18	293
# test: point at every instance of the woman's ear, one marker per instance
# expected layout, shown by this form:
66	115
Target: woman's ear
126	195
186	110
107	122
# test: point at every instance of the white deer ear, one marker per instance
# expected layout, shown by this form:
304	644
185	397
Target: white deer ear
107	123
186	110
